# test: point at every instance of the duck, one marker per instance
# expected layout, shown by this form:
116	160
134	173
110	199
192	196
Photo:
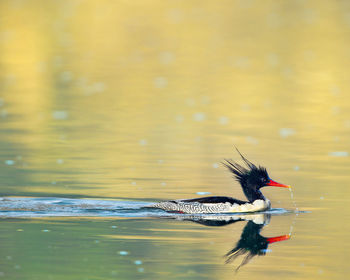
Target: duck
251	178
252	244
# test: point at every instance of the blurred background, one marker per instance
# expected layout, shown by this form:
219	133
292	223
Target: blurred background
142	100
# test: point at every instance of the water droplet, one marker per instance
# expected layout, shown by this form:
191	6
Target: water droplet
203	193
199	116
99	87
215	165
123	253
242	62
9	162
286	132
46	230
66	76
175	16
4	113
60	161
291	230
133	183
272	59
114	226
223	120
339	154
140	269
292	198
245	107
179	118
138	262
190	102
60	115
335	90
166	57
252	140
163	183
335	110
205	100
160	82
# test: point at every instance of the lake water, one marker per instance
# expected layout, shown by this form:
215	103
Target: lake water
106	107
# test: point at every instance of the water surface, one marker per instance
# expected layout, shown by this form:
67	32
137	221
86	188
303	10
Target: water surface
122	104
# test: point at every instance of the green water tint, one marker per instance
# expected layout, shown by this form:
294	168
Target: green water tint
125	248
144	110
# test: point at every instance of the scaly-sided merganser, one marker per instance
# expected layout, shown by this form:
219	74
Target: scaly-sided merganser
251	178
252	244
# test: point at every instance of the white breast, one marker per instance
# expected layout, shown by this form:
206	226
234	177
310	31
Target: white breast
257	205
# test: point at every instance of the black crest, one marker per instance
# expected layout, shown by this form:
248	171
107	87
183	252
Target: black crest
253	173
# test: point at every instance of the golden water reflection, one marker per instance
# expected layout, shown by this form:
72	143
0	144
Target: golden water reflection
143	100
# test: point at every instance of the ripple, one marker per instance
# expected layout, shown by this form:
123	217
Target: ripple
66	207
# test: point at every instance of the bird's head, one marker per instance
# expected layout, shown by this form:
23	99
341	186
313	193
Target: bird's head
251	177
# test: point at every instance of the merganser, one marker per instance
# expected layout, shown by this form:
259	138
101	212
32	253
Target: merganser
252	244
251	178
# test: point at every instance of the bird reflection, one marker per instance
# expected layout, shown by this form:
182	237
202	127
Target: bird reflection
251	242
